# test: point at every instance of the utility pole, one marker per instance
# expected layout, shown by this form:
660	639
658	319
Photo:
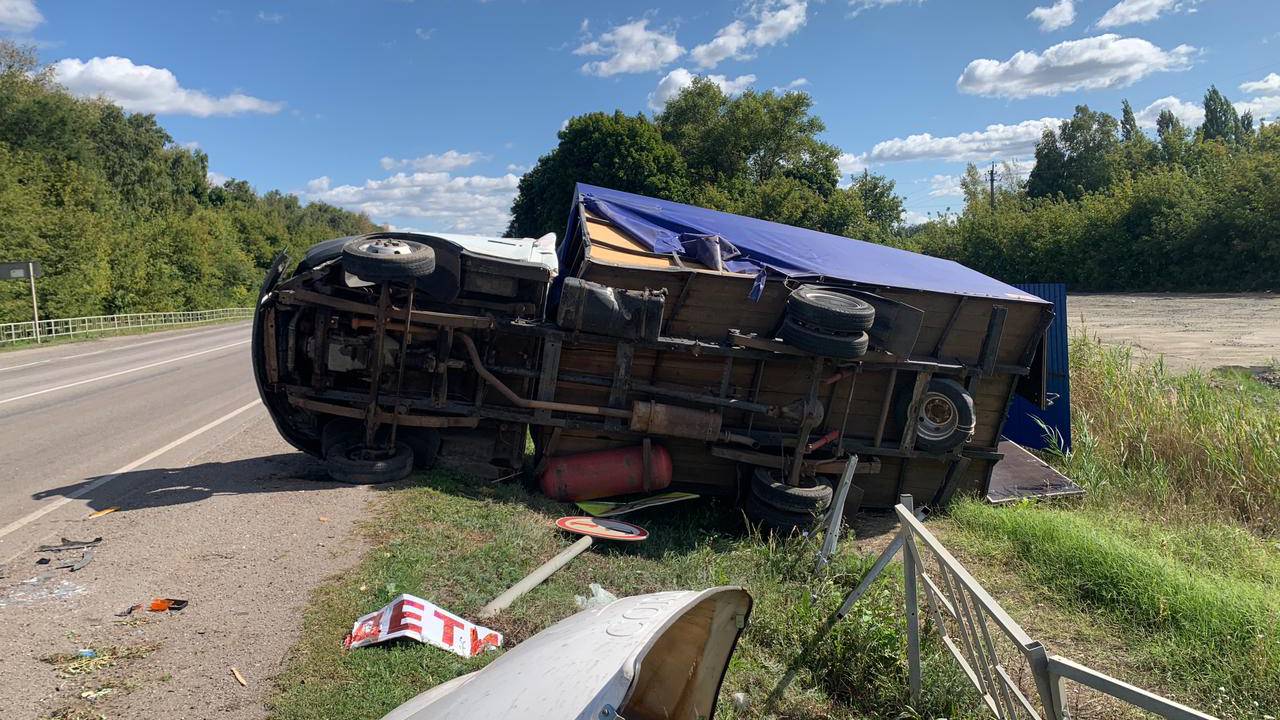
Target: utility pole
35	309
993	185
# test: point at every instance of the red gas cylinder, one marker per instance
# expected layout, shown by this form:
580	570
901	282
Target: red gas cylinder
605	473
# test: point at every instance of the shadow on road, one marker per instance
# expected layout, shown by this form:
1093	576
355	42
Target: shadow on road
159	487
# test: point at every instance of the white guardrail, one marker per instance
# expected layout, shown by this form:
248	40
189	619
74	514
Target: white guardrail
30	331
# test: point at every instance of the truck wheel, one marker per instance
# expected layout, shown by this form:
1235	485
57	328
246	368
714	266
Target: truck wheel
380	259
778	520
344	463
946	417
768	487
829	309
822	343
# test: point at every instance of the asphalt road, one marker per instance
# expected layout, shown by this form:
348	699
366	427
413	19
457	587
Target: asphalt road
73	415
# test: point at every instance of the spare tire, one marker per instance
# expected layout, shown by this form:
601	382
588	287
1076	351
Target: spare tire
946	417
380	259
782	521
769	488
829	309
822	343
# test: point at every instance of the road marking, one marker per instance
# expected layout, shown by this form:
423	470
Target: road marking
119	347
103	480
118	373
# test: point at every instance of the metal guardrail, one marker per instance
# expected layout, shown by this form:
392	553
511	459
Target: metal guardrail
1000	659
21	331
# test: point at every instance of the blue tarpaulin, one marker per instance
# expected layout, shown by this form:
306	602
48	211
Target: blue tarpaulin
758	246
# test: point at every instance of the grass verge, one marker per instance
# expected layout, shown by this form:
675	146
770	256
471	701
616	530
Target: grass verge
459	545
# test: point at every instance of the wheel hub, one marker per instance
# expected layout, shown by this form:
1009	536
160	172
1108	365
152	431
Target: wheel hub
938	417
386	247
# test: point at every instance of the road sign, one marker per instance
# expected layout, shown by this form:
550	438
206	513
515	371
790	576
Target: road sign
19	270
601	528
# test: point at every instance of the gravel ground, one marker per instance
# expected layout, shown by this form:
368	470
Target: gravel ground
244	532
1203	331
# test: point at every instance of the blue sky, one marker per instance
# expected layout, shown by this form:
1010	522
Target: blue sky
424	113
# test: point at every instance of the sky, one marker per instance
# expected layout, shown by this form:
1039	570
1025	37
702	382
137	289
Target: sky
424	113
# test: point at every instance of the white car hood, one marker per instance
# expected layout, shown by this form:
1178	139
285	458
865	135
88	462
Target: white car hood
658	655
535	250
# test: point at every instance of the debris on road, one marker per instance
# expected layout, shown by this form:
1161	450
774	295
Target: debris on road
69	545
157	605
102	512
239	678
408	616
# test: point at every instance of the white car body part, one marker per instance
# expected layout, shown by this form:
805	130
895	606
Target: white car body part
644	657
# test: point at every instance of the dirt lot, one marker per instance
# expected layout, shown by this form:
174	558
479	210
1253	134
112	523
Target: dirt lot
1190	330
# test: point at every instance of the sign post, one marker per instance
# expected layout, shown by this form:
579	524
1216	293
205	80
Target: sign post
29	270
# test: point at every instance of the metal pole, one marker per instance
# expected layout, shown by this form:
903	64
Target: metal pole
913	610
35	309
535	578
836	515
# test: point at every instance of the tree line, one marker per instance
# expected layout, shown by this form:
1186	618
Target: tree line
122	219
1105	206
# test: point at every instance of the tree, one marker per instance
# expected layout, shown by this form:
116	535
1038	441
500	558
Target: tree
1129	131
881	206
1173	136
1220	119
623	152
1049	176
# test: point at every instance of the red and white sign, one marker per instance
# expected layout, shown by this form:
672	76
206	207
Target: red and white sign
601	528
412	617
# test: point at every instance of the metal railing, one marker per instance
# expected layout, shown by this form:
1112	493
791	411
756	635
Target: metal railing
1004	664
1014	675
62	327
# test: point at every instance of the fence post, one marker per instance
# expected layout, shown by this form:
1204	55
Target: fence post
912	607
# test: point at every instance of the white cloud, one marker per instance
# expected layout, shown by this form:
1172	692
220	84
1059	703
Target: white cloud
1263	108
1105	61
1055	16
448	160
631	48
273	18
798	82
1270	83
913	217
849	164
1127	12
945	186
143	88
775	21
1191	114
19	15
191	145
673	82
439	200
858	6
424	33
995	141
318	185
215	178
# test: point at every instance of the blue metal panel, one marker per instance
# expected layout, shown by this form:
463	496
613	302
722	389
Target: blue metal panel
1021	427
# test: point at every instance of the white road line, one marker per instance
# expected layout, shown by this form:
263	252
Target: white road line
120	347
55	504
120	372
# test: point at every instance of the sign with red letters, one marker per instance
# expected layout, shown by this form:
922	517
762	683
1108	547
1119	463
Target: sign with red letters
408	616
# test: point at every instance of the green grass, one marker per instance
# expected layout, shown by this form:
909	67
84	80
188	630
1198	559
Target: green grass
459	545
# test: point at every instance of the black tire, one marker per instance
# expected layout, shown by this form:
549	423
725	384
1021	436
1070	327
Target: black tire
768	487
778	520
829	309
425	442
939	432
339	428
822	343
344	464
374	259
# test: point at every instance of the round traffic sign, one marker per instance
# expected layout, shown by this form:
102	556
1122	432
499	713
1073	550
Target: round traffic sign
602	528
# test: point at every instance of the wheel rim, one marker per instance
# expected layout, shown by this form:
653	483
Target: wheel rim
386	247
843	300
938	417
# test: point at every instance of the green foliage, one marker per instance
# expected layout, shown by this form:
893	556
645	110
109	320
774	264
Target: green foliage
756	154
120	218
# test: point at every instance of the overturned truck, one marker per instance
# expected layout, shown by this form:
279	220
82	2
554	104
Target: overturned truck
664	346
